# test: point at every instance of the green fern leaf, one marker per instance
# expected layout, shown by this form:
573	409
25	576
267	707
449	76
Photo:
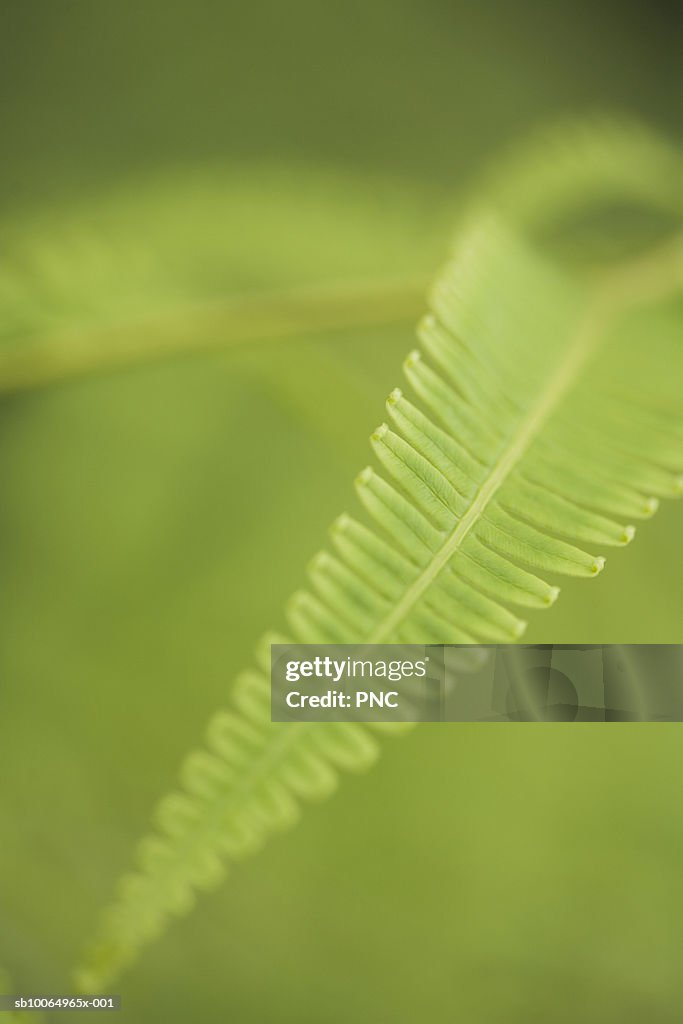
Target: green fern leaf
185	264
542	423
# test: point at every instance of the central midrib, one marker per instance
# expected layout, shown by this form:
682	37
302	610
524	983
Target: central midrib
557	386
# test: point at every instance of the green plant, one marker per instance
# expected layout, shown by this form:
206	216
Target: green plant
547	417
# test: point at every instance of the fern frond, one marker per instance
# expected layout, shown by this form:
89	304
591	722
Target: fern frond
153	270
580	164
185	264
534	436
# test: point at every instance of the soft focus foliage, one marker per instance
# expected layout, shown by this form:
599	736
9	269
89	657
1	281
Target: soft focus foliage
494	472
164	165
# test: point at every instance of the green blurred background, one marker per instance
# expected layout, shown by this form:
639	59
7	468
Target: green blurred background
154	519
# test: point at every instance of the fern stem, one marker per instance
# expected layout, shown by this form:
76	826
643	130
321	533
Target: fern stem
262	317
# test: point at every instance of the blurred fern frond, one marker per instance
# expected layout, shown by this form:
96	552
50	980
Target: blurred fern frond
579	165
546	418
186	264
